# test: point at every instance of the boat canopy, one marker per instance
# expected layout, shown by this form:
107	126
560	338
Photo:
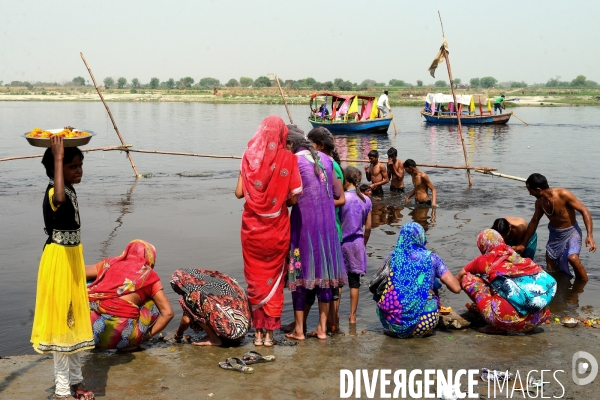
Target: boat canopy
438	98
343	106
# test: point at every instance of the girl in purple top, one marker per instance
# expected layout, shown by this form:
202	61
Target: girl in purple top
355	214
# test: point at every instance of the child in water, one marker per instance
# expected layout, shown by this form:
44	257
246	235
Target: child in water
61	323
355	215
366	190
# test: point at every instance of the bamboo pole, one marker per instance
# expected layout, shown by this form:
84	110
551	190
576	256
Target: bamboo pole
462	138
520	119
109	114
122	148
394	122
284	101
489	172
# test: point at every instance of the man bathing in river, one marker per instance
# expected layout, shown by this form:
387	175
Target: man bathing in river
564	243
513	230
395	170
421	185
376	173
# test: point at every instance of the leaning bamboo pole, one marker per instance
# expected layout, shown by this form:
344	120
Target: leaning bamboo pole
284	101
109	114
122	148
462	138
488	171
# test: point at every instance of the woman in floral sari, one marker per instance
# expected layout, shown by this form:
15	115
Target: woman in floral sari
127	301
269	181
489	281
409	306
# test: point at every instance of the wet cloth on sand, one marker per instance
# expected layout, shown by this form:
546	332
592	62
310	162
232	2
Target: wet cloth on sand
562	243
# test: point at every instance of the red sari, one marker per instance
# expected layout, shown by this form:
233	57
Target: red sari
270	176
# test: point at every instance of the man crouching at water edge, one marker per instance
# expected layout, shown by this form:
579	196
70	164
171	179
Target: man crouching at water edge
564	243
421	185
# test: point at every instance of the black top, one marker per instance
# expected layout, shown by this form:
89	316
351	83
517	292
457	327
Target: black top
62	225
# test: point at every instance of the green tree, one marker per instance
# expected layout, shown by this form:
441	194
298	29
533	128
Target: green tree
121	83
579	81
109	82
328	85
589	83
186	83
28	85
488	82
518	84
78	81
474	82
135	82
419	83
397	82
310	82
171	83
262	81
457	81
343	85
366	84
232	83
246	82
209	82
154	82
441	83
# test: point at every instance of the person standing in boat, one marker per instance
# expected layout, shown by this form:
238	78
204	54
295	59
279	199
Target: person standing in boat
499	104
383	104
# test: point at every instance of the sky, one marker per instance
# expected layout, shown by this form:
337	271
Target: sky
529	41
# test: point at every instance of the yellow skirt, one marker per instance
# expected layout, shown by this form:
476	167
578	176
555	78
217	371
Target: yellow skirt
62	312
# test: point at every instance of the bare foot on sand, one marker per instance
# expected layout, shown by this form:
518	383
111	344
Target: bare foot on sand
207	342
317	334
288	328
295	335
490	330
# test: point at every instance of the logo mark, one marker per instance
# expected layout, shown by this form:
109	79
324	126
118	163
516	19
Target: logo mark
580	367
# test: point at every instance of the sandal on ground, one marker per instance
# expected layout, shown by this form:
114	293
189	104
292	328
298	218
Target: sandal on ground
258	342
254	357
236	364
269	342
81	393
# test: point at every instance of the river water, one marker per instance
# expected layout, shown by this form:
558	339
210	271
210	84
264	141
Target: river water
186	207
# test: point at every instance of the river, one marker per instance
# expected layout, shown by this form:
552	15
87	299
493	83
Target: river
186	208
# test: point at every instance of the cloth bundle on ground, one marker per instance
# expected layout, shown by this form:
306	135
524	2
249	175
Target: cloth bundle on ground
118	323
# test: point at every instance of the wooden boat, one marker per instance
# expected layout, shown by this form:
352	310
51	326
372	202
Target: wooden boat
436	111
346	115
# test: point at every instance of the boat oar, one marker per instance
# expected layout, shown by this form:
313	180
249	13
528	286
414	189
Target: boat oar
520	119
394	122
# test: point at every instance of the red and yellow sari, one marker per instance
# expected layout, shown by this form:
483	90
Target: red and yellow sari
118	323
270	176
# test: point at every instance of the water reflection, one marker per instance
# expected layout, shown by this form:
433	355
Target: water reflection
477	138
392	215
359	145
125	207
566	299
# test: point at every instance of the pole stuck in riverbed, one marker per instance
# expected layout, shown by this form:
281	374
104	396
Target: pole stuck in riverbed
444	49
110	115
284	101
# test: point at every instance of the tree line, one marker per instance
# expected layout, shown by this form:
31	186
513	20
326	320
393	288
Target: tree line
487	82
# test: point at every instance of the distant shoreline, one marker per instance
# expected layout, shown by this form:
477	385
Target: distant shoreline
406	97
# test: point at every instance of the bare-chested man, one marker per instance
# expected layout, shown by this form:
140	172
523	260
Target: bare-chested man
513	231
564	243
395	170
376	173
421	185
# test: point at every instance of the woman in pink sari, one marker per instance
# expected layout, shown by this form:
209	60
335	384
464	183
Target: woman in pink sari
270	182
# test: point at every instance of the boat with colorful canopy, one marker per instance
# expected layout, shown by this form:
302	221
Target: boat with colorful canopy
347	113
440	109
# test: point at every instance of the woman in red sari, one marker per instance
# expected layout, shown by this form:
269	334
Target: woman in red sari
127	301
270	182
